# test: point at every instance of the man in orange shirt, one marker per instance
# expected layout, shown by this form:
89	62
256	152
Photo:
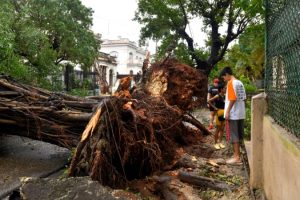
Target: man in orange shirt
234	112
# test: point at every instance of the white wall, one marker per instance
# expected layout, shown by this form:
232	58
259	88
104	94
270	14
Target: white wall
109	67
123	48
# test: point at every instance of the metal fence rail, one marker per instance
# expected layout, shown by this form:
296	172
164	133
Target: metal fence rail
282	77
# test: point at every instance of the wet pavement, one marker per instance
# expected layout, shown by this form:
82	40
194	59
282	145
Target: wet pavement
23	157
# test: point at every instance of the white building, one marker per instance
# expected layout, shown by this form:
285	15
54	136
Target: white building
117	59
105	67
102	73
128	55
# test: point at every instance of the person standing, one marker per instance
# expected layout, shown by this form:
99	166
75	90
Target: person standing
219	101
212	91
234	112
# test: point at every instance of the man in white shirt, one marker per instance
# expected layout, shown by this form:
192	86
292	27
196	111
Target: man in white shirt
234	112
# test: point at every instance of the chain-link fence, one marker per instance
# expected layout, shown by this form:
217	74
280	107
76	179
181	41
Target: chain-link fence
283	62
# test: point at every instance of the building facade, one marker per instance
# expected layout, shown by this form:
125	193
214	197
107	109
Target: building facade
117	59
102	73
128	55
105	66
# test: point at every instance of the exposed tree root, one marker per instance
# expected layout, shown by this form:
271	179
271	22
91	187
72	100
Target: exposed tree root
138	129
130	139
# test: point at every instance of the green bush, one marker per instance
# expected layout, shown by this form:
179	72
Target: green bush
247	121
249	87
81	92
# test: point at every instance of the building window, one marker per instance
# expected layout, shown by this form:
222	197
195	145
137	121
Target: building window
130	60
111	77
114	54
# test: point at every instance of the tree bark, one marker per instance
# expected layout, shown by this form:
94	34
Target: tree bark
204	181
190	119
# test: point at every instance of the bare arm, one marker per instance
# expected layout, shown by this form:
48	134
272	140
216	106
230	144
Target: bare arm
211	100
208	96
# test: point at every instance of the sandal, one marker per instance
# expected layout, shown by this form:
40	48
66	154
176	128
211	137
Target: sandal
221	145
217	146
234	161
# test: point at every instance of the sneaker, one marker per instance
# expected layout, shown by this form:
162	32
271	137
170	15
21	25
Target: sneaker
221	145
217	146
234	161
210	127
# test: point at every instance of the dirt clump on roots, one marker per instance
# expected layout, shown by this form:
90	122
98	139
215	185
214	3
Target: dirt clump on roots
179	84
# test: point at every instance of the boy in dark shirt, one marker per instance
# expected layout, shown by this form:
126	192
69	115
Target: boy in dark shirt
219	104
213	90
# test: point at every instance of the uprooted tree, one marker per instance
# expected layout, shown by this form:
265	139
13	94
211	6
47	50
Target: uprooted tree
135	135
119	138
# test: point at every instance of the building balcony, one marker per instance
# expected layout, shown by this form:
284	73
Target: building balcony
134	64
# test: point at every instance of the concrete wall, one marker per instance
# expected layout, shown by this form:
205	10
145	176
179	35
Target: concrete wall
275	156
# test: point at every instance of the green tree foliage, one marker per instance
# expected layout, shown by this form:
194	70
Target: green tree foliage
38	36
248	55
9	61
169	19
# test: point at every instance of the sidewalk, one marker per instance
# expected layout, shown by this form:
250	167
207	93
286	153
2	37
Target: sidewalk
232	174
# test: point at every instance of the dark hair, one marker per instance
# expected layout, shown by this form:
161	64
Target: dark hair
226	70
220	87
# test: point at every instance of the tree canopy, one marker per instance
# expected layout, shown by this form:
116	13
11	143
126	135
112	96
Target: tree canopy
37	36
248	55
168	21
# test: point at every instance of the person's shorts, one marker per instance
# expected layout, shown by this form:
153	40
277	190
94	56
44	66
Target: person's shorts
220	120
236	128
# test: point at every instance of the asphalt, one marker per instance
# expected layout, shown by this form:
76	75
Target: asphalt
23	157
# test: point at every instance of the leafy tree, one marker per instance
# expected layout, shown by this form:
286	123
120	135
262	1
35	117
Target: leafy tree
9	62
45	34
165	19
248	55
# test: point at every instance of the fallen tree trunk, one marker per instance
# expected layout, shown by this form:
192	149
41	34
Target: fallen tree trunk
204	181
171	188
190	119
42	115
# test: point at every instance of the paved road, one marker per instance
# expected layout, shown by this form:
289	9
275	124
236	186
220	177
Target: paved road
23	157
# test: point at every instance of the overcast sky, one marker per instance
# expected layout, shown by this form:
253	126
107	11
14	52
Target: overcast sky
113	18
